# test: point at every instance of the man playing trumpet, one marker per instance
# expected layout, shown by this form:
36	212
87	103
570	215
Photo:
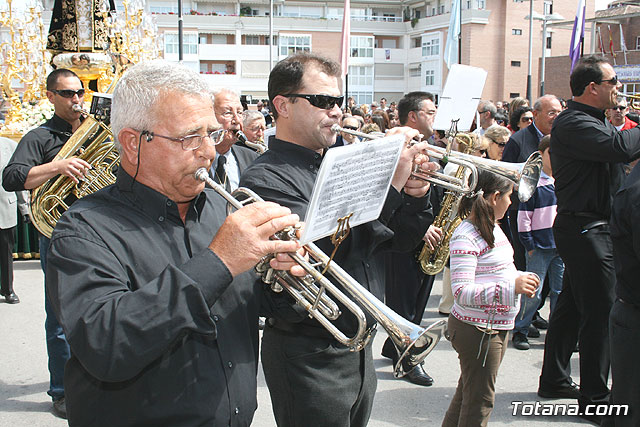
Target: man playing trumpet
312	379
148	278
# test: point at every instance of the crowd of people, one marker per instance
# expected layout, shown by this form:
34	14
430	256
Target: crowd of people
153	312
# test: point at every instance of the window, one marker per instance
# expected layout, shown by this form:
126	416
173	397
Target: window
516	32
360	76
548	7
414	71
430	46
252	40
637	43
514	95
430	77
481	4
202	39
516	63
441	10
189	45
416	14
294	44
361	47
362	97
549	41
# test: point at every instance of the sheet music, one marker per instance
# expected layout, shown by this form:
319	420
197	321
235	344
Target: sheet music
352	179
460	96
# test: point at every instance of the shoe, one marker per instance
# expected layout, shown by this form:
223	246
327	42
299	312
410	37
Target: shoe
520	341
419	377
442	313
571	391
11	298
389	351
60	408
533	332
539	322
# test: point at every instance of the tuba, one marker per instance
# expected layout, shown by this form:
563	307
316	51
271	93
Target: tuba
92	142
413	342
432	261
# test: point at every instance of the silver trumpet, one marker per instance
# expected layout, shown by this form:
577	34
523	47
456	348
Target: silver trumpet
413	342
524	175
259	146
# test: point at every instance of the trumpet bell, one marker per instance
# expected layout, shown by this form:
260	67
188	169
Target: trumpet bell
414	345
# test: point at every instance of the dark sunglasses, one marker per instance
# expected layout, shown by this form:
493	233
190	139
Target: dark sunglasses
350	127
325	102
501	144
619	108
68	93
526	119
613	80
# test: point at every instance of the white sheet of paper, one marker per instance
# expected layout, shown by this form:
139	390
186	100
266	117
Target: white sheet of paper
460	96
352	179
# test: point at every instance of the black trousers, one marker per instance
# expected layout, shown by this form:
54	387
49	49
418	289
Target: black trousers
624	329
7	241
582	311
315	381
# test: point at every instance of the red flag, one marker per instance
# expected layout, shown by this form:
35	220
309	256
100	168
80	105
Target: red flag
611	42
346	35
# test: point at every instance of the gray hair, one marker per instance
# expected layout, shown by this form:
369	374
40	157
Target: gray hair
496	131
250	116
538	104
488	106
137	93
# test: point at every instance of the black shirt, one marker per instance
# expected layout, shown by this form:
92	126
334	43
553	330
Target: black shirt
37	147
159	333
587	153
625	234
286	173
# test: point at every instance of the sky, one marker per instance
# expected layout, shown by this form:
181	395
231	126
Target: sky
602	4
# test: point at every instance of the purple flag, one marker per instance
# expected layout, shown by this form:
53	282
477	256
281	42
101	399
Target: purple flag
577	37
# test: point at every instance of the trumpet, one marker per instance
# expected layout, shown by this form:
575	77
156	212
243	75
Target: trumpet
259	146
524	175
312	291
634	100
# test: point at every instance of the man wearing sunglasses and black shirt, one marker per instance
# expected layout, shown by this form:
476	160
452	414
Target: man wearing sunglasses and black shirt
32	165
314	380
587	155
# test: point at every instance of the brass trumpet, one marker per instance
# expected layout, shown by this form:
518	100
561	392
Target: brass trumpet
259	146
524	175
413	342
633	100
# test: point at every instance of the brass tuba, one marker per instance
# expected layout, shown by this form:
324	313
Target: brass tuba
413	342
433	261
92	142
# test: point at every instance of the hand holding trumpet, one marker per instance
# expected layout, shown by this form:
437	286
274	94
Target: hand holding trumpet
412	155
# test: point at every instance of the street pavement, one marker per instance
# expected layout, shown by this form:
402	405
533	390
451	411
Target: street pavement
24	378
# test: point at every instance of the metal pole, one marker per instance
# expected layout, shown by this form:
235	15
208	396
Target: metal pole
180	35
460	35
544	54
270	35
530	50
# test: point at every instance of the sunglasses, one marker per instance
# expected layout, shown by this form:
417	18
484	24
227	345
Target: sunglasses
501	144
350	127
68	93
619	108
613	80
526	119
324	102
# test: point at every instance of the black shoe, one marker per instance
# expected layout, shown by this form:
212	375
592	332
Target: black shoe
389	351
571	391
539	322
520	341
533	332
60	408
442	313
419	377
11	298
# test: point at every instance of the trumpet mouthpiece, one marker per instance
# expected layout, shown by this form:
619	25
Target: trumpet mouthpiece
202	174
77	108
335	128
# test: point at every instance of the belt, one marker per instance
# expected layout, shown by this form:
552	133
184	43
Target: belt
592	215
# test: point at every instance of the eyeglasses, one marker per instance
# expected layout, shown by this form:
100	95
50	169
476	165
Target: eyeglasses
325	102
501	144
620	107
613	80
68	93
526	119
350	127
190	142
553	113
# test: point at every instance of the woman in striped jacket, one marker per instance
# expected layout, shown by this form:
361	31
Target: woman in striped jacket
486	288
